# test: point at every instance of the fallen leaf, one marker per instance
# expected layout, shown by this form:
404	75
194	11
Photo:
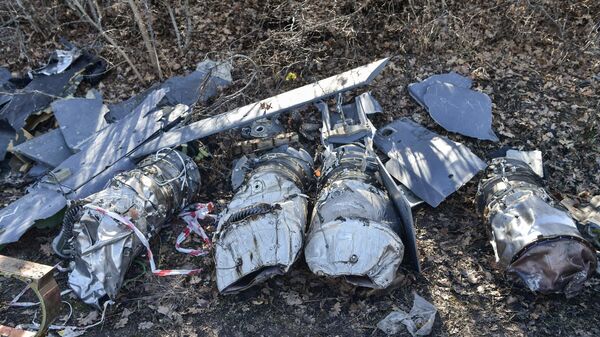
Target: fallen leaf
46	249
145	325
91	318
291	298
335	310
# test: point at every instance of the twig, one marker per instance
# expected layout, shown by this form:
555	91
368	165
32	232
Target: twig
188	24
144	31
84	15
174	22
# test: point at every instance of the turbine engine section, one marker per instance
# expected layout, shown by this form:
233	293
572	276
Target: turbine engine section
354	227
261	232
101	246
534	240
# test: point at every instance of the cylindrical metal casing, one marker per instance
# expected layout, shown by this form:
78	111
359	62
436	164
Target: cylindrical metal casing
103	249
354	226
261	232
535	241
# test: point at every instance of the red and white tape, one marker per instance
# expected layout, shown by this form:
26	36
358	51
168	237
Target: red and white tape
144	241
191	216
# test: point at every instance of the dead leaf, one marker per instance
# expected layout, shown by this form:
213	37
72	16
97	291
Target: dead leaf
124	318
335	310
164	309
291	298
145	325
121	323
91	318
46	249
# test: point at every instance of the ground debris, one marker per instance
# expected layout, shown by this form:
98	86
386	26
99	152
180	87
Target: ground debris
419	321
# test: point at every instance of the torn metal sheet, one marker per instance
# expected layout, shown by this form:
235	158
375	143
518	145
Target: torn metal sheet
19	216
354	226
418	90
535	241
79	119
6	87
431	166
419	321
5	75
286	101
199	85
114	143
118	111
59	61
531	158
404	200
220	70
49	148
261	232
42	90
38	170
7	134
587	216
103	248
87	172
461	110
40	279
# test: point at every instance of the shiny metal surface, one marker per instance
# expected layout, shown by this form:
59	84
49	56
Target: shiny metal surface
354	226
149	196
261	232
534	240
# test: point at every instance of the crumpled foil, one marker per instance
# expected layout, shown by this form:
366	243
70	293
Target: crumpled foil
103	249
261	232
534	240
354	226
419	321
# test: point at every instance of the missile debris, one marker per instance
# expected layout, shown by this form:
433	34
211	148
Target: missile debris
261	232
535	241
94	236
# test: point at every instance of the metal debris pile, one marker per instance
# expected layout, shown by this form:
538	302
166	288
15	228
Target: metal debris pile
114	176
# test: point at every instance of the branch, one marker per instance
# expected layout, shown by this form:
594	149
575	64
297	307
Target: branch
142	27
84	15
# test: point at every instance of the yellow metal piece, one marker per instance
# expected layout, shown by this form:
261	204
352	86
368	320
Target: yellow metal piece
40	279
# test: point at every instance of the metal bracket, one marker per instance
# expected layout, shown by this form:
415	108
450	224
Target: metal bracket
40	279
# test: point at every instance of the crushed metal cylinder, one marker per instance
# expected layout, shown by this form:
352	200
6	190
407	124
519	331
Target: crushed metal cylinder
261	232
101	247
535	241
353	232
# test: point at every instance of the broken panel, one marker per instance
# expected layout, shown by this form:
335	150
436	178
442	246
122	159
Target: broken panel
101	246
534	240
418	90
431	166
49	148
79	119
261	232
461	110
38	204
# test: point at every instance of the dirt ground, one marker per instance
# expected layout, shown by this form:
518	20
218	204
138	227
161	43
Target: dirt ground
538	60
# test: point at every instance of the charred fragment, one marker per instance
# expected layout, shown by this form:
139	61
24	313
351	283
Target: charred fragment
261	232
535	241
102	247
